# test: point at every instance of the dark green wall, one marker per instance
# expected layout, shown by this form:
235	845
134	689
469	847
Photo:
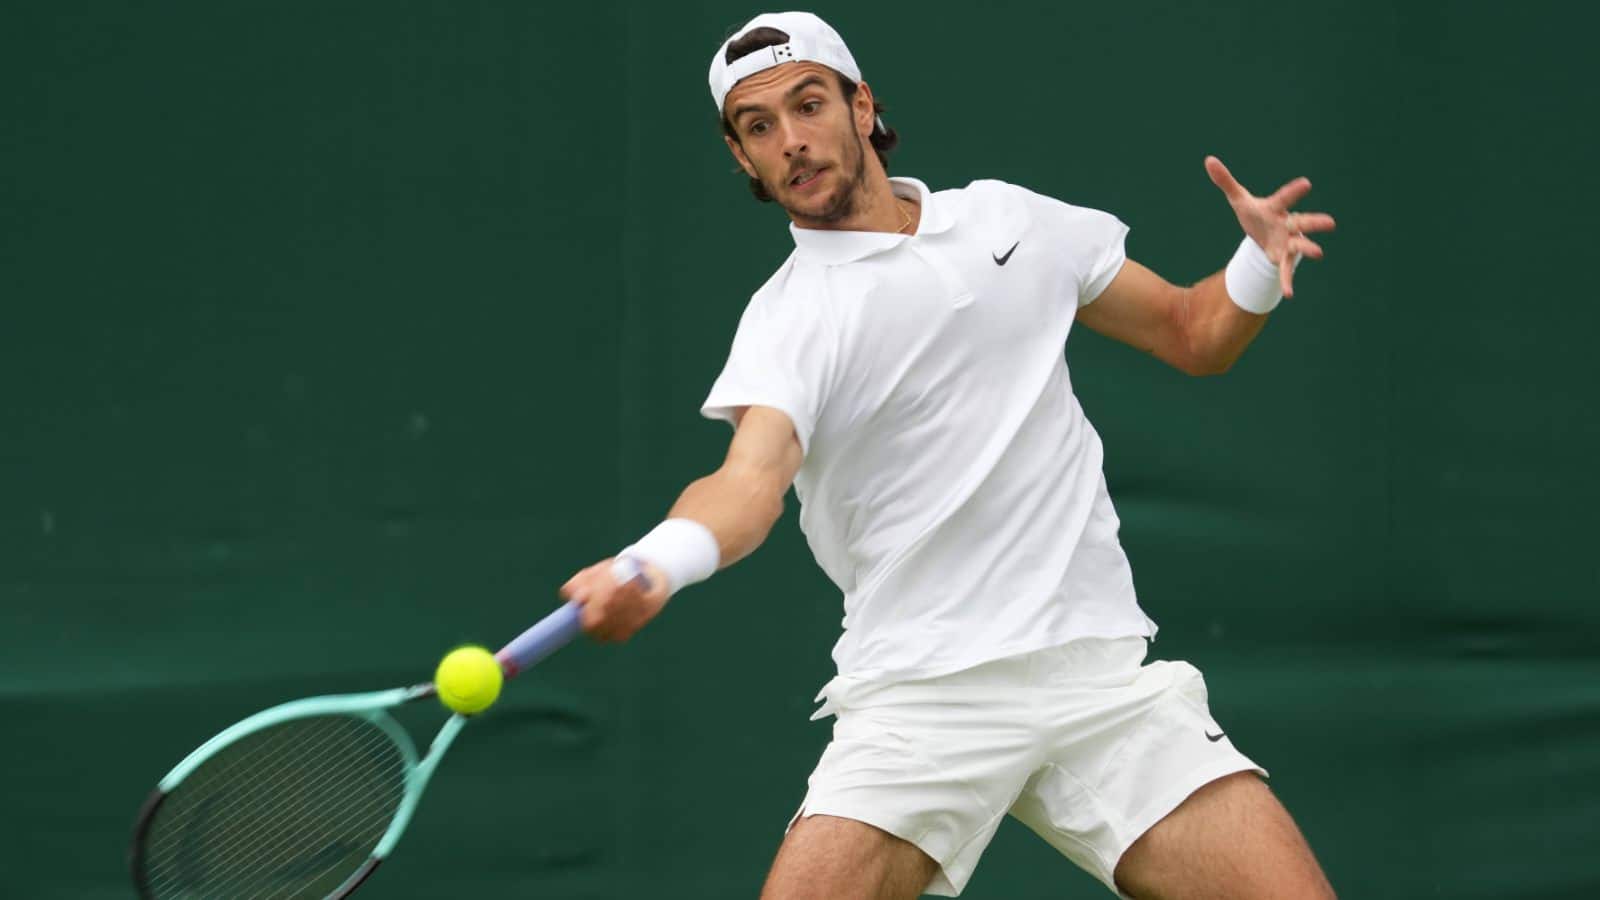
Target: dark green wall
335	334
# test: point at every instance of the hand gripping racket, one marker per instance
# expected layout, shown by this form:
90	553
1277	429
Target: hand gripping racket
304	799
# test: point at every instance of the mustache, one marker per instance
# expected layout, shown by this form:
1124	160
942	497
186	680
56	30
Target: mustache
801	164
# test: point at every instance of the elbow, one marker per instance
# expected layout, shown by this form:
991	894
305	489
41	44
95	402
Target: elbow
1201	358
1195	357
771	505
1198	362
764	510
762	490
1200	368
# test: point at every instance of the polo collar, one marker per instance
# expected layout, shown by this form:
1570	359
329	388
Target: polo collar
833	248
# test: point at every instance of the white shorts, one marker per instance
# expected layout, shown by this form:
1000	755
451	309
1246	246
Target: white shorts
1079	742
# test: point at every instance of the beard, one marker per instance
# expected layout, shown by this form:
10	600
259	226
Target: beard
838	206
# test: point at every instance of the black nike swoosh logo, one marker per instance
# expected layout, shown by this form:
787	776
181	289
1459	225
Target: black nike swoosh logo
1213	738
1001	260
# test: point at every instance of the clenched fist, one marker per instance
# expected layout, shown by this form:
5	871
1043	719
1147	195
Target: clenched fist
618	597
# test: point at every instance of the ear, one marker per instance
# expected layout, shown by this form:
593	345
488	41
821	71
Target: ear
863	109
738	155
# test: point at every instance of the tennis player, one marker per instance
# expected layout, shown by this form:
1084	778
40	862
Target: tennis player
903	369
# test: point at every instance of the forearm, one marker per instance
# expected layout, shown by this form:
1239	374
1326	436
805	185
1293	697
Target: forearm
1216	331
738	504
733	509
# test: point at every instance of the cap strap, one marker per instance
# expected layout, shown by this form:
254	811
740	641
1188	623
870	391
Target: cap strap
765	58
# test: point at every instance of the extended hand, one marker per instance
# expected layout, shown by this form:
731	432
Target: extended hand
614	611
1268	221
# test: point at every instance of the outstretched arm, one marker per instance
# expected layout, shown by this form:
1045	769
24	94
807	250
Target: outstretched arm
1201	329
737	504
740	501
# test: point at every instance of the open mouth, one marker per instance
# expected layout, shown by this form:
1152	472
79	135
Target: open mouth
805	177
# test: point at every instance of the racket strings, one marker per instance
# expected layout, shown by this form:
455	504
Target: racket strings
254	762
249	835
290	811
267	830
267	839
272	831
286	830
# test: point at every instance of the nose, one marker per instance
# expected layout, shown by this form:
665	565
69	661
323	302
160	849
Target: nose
794	143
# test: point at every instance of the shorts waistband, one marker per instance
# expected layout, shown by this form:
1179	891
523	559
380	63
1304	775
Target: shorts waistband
1085	660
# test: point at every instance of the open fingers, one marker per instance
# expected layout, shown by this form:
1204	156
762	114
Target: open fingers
1310	221
1305	246
1294	249
1224	180
1292	193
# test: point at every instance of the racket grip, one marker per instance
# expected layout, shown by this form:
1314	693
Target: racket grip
544	638
559	628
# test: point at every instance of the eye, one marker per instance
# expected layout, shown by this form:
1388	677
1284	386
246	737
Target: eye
810	106
758	127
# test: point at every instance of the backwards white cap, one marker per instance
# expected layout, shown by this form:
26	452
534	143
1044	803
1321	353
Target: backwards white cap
810	40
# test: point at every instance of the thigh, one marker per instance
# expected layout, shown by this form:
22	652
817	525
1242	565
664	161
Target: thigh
1123	758
933	764
1230	839
832	858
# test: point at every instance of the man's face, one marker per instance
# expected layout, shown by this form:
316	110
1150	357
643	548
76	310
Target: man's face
798	135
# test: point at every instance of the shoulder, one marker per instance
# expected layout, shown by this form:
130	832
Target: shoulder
992	200
1046	208
993	192
778	291
778	282
995	188
789	298
983	194
984	207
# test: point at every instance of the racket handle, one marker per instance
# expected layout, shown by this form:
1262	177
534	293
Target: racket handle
548	635
559	628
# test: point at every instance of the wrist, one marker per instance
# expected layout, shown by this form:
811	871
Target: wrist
682	550
1252	279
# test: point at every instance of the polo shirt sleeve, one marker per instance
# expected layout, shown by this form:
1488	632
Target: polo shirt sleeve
780	358
1090	242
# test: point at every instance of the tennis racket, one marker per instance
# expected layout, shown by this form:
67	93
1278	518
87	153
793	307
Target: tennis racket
307	798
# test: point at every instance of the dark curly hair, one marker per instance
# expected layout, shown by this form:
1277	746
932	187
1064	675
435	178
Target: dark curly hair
883	138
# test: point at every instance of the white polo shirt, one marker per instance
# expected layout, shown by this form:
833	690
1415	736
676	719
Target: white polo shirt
951	487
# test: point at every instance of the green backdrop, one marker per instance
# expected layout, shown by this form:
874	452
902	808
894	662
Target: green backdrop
337	333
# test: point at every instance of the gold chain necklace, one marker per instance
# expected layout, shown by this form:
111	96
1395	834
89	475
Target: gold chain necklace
907	216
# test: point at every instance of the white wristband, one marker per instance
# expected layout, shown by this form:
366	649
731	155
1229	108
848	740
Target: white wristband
683	549
1252	279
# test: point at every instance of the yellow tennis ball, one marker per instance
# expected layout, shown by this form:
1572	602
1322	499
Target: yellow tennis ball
468	679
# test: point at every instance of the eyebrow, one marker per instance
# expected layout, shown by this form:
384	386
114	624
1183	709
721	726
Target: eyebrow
809	81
